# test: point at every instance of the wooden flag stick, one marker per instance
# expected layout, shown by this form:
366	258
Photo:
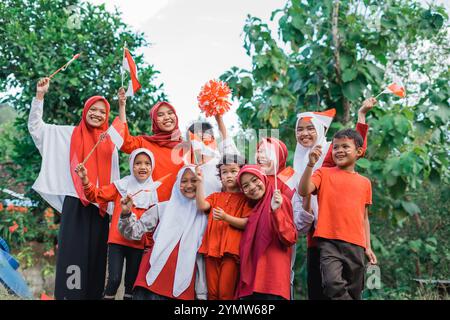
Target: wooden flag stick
123	57
379	94
159	180
102	137
65	66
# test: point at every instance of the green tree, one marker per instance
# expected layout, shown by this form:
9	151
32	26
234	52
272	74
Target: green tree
333	54
40	36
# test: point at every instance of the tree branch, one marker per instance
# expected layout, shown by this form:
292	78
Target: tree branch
337	58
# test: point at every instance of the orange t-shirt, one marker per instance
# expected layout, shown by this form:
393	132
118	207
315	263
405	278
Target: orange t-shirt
343	197
220	237
109	193
167	161
329	162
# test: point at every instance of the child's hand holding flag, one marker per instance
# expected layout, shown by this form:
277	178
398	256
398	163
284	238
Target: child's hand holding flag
126	204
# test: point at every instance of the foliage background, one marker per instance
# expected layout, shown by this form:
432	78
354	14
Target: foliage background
334	54
324	54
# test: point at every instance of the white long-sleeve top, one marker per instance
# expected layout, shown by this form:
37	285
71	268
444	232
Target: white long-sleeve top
53	142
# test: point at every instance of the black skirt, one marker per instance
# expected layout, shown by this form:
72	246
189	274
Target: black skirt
82	252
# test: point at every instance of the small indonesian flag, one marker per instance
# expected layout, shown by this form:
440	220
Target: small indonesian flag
206	148
396	89
289	177
129	65
325	117
116	132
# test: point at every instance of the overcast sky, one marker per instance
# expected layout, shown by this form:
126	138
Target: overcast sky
195	41
192	42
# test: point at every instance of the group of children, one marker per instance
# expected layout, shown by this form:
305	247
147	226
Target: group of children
202	226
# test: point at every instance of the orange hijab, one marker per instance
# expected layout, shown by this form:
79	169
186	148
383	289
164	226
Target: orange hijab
83	140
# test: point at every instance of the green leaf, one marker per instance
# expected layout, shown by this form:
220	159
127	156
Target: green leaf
415	245
353	90
410	207
349	75
363	163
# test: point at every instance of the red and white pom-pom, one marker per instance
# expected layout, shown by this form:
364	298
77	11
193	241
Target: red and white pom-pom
213	98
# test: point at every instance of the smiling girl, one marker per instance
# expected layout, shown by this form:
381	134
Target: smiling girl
84	227
139	184
169	271
266	243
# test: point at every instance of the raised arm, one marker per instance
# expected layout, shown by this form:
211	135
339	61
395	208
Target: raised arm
35	123
202	204
306	187
132	228
226	145
95	194
122	104
361	127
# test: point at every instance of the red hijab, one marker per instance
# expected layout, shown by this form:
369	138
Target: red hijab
258	233
282	154
83	140
163	138
280	149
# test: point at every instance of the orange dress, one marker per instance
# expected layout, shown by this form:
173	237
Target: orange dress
108	193
220	237
220	245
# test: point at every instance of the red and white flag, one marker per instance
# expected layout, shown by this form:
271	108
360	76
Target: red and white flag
116	132
396	89
325	117
202	148
289	177
129	65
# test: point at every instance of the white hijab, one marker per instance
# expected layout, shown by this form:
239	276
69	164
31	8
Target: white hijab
301	155
131	185
180	221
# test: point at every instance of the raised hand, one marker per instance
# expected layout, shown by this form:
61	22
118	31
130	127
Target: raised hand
42	88
315	155
277	200
367	105
126	204
81	171
199	174
122	97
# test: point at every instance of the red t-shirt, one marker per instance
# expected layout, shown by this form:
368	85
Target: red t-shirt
343	197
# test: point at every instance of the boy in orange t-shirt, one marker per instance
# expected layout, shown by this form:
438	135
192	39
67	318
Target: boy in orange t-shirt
343	229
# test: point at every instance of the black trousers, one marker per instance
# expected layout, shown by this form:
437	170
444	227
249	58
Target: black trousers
140	293
262	296
116	256
314	277
342	265
81	255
